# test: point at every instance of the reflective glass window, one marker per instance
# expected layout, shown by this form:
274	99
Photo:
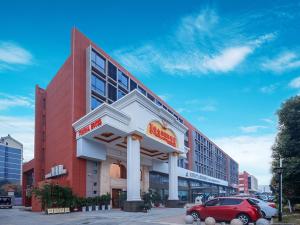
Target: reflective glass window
95	102
122	79
98	61
98	85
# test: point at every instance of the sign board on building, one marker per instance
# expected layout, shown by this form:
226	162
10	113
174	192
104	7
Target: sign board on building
88	128
56	171
198	176
160	131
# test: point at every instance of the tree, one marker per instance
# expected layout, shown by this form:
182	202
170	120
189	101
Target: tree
287	146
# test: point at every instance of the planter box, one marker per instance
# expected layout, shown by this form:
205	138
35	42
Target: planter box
90	208
102	207
83	208
97	208
57	210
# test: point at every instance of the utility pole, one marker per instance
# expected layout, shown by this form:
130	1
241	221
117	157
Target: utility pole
280	190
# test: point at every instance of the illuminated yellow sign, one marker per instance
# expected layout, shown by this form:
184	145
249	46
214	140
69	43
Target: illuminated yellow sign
161	132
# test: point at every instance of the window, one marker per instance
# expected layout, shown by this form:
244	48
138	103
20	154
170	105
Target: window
142	90
95	102
213	202
230	201
98	85
150	97
133	85
123	79
112	92
98	62
112	71
120	94
158	103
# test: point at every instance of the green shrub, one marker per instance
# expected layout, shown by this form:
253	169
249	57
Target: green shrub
53	195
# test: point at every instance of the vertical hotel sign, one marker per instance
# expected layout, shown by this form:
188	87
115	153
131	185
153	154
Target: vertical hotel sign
160	131
96	123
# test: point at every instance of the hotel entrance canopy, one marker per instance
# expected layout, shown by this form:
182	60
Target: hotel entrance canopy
134	126
107	126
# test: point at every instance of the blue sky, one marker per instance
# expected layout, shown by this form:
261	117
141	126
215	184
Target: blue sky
226	66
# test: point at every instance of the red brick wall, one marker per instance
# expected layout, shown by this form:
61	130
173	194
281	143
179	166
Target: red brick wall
65	103
59	131
40	95
79	45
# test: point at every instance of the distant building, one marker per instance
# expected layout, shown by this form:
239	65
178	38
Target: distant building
247	183
11	155
264	189
252	184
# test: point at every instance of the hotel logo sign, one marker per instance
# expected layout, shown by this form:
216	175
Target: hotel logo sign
88	128
160	131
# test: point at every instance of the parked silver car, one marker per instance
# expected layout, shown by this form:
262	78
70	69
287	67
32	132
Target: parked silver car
267	209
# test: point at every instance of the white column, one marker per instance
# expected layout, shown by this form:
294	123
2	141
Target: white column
133	168
173	178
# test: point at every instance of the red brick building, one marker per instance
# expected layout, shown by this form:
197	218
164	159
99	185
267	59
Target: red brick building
88	81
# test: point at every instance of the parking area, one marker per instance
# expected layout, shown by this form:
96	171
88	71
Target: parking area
17	216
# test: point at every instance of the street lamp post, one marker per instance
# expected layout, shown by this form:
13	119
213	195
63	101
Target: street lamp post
279	170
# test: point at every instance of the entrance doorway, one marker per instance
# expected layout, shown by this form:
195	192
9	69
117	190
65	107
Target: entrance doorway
118	197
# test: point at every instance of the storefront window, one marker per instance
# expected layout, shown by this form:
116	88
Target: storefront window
183	195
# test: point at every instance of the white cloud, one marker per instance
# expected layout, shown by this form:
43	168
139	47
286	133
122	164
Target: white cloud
22	129
252	129
228	59
252	153
284	61
268	120
12	54
295	83
9	101
201	43
268	89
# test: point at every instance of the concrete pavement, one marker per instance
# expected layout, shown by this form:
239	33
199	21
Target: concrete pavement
156	216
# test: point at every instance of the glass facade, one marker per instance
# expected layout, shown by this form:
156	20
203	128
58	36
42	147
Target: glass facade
109	83
10	164
210	160
233	172
188	189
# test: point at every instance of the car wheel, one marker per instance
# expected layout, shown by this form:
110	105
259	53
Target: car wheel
195	215
244	218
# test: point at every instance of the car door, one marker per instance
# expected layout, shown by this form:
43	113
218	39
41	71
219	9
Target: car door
211	209
229	208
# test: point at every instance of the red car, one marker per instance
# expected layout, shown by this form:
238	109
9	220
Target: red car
227	208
